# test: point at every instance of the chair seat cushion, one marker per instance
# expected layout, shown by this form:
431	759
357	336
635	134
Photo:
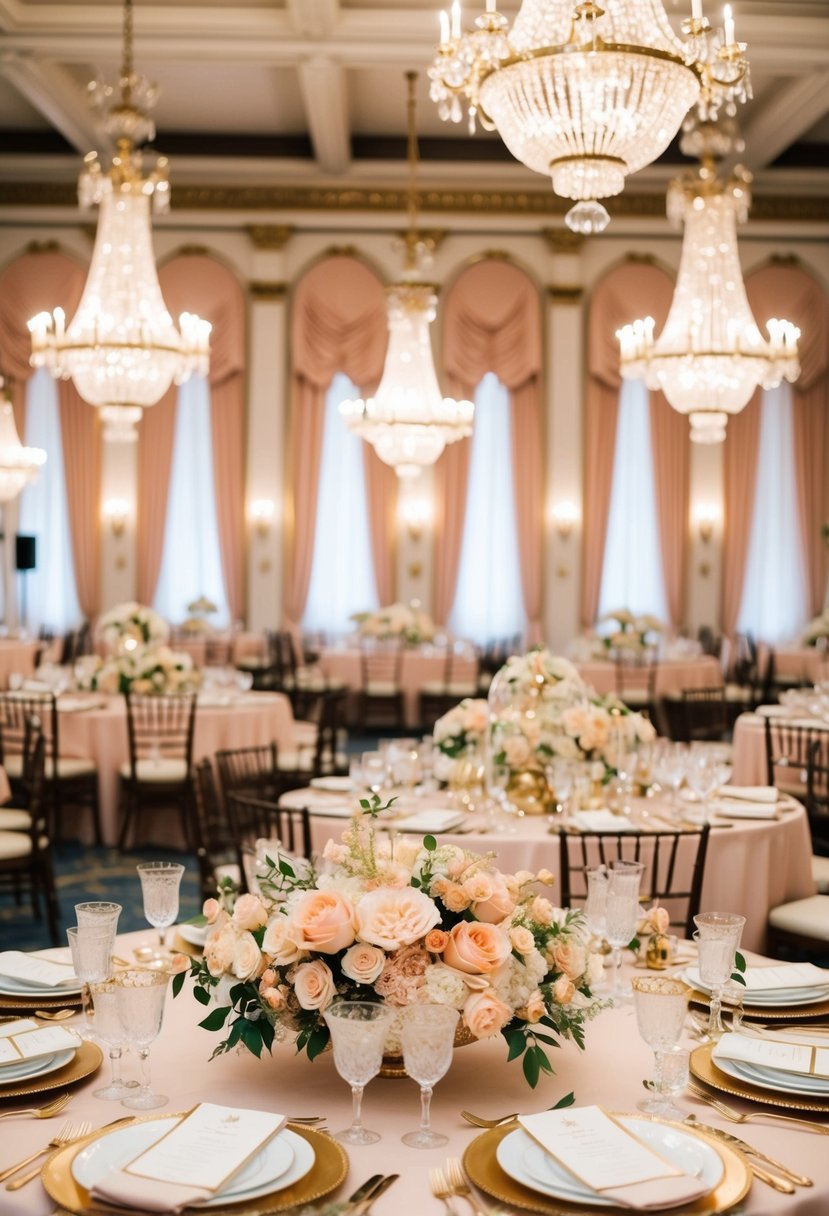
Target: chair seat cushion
295	761
459	689
740	694
160	772
636	696
14	845
820	871
69	767
382	688
13	819
304	734
804	917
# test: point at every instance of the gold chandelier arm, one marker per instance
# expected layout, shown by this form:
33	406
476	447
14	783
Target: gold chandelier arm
411	155
127	67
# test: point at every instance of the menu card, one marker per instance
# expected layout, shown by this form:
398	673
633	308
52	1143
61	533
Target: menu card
36	971
26	1040
603	1155
805	1059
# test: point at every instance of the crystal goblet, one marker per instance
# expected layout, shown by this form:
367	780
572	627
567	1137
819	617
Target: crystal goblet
99	912
358	1035
622	913
428	1038
139	1000
160	884
109	1031
661	1005
91	949
717	938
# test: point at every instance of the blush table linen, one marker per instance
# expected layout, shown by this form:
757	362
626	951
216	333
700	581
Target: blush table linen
419	666
608	1073
749	745
17	657
672	675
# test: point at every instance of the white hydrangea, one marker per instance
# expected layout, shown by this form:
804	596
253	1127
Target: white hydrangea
444	986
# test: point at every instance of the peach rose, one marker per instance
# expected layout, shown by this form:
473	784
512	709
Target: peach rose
546	877
563	990
314	985
476	948
278	942
498	906
541	910
435	941
268	978
484	1014
570	959
659	920
218	951
455	899
363	963
478	886
535	1008
247	957
322	921
274	998
521	939
210	909
249	913
395	917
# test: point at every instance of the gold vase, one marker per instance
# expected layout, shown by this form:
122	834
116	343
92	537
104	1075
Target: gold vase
658	952
529	792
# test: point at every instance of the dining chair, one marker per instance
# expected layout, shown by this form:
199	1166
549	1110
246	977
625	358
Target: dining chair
817	797
213	836
70	780
324	754
674	867
459	679
160	729
25	844
788	746
253	819
635	680
704	714
380	699
253	770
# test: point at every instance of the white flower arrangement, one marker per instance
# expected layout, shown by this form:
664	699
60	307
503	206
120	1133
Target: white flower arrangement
817	628
147	669
458	733
406	621
634	633
131	622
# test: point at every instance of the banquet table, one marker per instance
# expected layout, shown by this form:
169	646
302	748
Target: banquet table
245	645
749	742
804	664
222	721
672	675
752	865
609	1072
17	657
419	665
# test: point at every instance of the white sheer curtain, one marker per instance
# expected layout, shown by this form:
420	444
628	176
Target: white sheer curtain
773	606
49	593
342	574
191	564
632	571
488	601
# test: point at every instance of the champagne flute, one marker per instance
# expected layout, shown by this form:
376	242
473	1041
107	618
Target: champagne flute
622	913
160	883
661	1006
108	1030
139	1000
428	1037
358	1035
91	950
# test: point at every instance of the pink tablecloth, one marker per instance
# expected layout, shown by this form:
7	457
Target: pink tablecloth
806	664
672	675
419	666
608	1072
17	657
751	867
749	747
101	733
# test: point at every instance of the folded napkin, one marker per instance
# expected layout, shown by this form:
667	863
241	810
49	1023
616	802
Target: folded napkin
333	810
607	1157
728	809
602	821
750	793
211	1143
430	820
36	971
801	1059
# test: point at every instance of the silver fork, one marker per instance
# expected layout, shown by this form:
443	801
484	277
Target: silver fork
67	1135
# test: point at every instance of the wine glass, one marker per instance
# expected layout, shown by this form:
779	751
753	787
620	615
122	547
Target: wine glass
669	771
108	1030
139	998
375	771
358	1035
91	950
702	774
595	905
717	938
160	883
428	1038
100	912
622	911
661	1005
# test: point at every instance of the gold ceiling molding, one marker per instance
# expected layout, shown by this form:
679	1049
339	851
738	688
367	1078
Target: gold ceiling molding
270	237
565	293
475	202
42	247
430	238
262	289
562	240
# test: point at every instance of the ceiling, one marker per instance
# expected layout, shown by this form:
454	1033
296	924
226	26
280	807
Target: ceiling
311	93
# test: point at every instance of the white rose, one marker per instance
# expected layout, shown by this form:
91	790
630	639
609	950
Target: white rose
395	917
363	963
314	985
278	942
247	957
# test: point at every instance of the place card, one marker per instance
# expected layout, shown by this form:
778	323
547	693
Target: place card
805	1059
36	971
29	1044
207	1147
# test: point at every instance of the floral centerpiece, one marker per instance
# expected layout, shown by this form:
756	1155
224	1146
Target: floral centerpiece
406	621
459	737
147	669
199	610
817	629
129	626
633	634
398	922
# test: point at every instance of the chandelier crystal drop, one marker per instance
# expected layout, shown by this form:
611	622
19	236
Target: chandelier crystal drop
19	466
710	357
121	348
408	421
584	93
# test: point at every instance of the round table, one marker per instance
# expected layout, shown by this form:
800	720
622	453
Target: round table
419	665
749	742
609	1072
17	657
672	675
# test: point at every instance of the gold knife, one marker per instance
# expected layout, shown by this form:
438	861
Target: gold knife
751	1151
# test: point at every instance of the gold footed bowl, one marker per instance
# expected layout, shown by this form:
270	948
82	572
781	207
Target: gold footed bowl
393	1065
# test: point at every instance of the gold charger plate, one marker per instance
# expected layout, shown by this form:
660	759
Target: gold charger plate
328	1171
87	1059
704	1069
766	1013
483	1169
26	1004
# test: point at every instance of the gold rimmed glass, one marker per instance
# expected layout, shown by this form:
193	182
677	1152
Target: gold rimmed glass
661	1005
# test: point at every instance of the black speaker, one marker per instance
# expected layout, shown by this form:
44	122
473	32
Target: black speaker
25	548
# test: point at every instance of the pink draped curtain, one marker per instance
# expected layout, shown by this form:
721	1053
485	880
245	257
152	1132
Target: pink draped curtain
631	290
492	323
40	282
742	442
338	324
201	284
784	290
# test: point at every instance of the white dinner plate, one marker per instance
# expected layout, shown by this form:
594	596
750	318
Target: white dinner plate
334	785
768	996
24	1069
195	935
773	1078
13	987
280	1163
526	1162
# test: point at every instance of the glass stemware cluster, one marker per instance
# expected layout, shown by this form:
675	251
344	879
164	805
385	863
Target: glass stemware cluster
718	939
621	915
661	1004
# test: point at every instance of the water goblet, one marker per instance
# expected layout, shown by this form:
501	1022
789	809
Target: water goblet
108	1030
358	1035
100	912
160	883
595	905
91	950
428	1038
717	938
702	774
139	1000
661	1006
622	912
375	771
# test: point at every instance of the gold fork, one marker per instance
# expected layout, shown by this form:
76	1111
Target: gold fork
441	1189
40	1112
74	1133
459	1185
479	1121
737	1116
56	1015
67	1132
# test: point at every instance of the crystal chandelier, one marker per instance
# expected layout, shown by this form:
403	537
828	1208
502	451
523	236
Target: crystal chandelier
584	93
710	356
121	348
408	421
18	465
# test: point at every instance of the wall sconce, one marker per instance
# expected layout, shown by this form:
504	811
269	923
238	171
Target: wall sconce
261	515
116	514
706	518
565	516
416	514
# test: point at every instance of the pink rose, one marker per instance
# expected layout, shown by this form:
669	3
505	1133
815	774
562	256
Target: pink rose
484	1014
278	942
563	990
435	941
322	921
249	913
268	978
218	951
521	939
535	1008
395	917
476	948
570	959
314	985
363	963
455	898
210	909
247	957
274	998
498	906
